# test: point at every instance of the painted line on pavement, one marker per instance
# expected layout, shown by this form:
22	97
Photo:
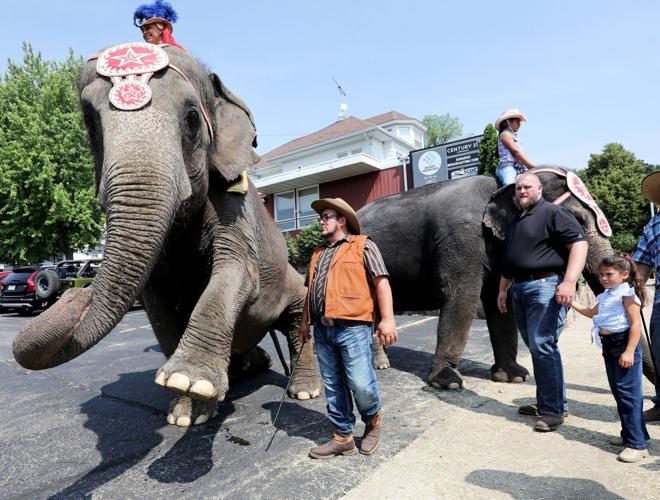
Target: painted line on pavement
418	322
125	330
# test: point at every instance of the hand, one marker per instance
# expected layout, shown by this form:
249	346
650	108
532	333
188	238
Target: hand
565	293
626	360
386	332
501	301
303	333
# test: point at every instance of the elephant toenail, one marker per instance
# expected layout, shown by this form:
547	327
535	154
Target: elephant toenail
178	382
160	379
171	419
302	395
183	421
201	419
203	389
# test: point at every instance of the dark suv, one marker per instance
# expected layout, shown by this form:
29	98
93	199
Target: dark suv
30	288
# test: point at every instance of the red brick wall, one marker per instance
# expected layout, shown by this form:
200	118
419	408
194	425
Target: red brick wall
359	190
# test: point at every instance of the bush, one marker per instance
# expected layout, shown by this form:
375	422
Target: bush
292	249
308	239
488	151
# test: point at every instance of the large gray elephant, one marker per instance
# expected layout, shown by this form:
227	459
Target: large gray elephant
442	245
185	228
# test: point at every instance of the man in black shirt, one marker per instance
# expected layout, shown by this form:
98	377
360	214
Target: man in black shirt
544	252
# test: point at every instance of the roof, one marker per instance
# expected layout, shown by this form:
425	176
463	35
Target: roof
340	128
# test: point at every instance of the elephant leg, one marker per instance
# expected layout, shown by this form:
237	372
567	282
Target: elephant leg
245	365
198	368
503	336
304	380
380	355
456	315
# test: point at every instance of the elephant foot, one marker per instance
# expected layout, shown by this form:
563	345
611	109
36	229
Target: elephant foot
515	374
381	360
194	376
304	384
245	365
447	378
186	412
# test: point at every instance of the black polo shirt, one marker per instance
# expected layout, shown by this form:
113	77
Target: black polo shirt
536	242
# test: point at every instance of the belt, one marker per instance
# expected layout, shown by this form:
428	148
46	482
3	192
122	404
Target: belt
342	322
521	278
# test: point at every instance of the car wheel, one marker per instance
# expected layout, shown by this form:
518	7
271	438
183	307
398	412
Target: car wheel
47	284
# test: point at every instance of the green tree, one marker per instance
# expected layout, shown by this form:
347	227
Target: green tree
292	249
308	239
441	128
488	151
613	178
48	205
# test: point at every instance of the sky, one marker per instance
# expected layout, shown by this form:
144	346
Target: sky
585	73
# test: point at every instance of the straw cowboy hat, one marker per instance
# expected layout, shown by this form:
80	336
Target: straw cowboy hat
509	113
341	207
651	187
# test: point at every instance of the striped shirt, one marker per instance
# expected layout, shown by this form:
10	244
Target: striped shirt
373	263
648	250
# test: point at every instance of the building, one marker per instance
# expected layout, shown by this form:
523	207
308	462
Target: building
354	159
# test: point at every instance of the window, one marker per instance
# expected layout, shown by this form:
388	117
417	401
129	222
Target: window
293	209
419	139
404	132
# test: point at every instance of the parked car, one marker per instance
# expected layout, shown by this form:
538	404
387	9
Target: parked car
4	274
27	289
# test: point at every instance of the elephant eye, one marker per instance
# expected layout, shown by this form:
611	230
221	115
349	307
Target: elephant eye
192	123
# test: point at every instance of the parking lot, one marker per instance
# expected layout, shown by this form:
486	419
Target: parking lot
96	425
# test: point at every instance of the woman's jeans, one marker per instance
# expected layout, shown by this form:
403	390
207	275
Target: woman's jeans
540	320
655	346
347	366
626	386
506	174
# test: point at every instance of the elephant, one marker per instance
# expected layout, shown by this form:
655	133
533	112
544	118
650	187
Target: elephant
442	246
186	229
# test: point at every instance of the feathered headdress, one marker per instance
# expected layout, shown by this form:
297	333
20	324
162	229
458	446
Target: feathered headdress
158	12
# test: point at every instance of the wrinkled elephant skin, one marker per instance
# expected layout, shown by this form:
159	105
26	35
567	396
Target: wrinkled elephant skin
441	248
210	263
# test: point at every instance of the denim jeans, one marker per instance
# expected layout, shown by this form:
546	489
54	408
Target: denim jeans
507	174
347	366
540	320
655	344
626	386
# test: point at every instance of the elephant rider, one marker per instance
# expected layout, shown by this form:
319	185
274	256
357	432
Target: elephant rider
647	258
346	276
545	250
512	159
155	20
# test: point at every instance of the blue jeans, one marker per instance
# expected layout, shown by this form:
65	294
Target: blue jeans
655	341
506	174
540	320
626	386
347	366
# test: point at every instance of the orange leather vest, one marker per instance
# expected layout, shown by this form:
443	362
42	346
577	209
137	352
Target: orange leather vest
349	293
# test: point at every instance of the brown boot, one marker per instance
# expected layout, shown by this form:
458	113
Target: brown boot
371	435
338	445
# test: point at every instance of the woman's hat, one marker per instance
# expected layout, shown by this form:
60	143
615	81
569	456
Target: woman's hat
341	207
509	113
157	12
651	187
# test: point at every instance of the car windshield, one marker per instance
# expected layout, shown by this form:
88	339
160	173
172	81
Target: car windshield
19	276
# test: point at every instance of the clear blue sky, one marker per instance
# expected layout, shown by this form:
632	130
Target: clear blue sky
584	72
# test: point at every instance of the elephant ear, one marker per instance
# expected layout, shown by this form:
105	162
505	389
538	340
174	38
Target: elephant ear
235	134
500	210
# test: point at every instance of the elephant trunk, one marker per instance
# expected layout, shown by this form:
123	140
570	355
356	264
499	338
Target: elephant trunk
141	204
599	248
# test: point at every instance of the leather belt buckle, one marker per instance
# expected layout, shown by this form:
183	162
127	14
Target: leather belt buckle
327	321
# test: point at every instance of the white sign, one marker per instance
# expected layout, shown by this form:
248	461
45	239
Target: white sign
429	163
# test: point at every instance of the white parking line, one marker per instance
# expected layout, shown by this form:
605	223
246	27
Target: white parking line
418	322
125	330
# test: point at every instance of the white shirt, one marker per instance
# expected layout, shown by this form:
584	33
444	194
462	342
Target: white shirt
611	312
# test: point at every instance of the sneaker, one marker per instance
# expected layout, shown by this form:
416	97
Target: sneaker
548	423
630	455
338	445
616	441
371	435
533	410
652	414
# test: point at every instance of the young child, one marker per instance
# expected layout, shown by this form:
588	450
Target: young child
617	324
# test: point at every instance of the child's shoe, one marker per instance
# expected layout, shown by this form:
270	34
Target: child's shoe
631	455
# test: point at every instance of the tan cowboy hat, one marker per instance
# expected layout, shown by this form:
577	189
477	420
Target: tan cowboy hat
509	113
651	187
341	207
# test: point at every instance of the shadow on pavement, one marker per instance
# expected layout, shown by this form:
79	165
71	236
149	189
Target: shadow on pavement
524	486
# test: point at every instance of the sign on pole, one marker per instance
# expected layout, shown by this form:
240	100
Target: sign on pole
451	160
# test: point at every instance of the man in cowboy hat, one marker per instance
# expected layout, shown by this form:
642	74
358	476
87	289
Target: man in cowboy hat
647	258
155	20
346	277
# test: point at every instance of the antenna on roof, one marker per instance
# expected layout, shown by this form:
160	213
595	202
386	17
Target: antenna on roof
343	106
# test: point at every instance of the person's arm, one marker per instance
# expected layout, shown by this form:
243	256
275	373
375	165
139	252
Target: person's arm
386	329
643	273
627	358
505	284
516	151
577	256
589	312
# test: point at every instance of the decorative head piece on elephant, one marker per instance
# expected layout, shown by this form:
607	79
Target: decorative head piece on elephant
441	244
184	226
